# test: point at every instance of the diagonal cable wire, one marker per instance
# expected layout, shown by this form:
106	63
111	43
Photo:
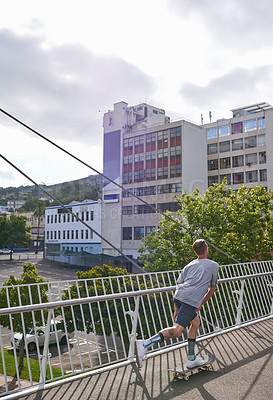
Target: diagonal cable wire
116	184
70	212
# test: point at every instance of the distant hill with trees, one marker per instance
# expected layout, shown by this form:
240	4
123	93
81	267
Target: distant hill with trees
78	190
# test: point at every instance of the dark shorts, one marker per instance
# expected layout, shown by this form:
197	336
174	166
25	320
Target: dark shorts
185	314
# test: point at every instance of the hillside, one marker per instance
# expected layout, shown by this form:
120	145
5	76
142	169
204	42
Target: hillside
89	187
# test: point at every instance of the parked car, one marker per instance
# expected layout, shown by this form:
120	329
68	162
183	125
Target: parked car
5	251
55	335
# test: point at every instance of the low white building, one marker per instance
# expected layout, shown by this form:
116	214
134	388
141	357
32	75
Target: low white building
67	238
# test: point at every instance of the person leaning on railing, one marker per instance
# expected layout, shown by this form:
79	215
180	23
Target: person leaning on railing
195	286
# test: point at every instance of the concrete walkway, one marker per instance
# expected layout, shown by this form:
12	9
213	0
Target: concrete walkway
243	370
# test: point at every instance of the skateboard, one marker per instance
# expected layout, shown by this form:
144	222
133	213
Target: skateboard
185	372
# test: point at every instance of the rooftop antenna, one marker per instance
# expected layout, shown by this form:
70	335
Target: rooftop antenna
202	120
210	115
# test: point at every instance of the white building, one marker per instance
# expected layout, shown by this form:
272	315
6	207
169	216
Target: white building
65	234
154	159
240	148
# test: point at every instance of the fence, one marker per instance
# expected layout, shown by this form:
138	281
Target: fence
81	326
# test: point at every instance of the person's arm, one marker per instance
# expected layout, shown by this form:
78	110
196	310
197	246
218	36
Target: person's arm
208	295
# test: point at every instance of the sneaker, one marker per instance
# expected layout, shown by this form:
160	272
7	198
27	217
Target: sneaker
140	352
198	362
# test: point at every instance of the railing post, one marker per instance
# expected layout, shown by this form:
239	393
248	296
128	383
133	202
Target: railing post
240	303
133	315
45	351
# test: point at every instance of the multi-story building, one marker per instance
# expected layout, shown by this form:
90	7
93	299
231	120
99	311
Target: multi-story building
240	148
37	225
64	232
152	158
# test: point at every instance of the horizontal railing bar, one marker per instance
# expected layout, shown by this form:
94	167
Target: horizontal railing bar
115	296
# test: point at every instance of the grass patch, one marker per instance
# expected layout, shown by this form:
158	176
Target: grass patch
34	366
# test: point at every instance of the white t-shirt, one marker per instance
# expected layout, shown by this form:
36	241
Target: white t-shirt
194	281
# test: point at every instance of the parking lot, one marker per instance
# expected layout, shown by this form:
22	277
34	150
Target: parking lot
59	273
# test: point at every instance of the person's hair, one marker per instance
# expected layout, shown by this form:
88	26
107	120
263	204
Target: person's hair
200	246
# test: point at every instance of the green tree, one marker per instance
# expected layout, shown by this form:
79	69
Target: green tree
9	297
33	204
239	223
112	312
14	232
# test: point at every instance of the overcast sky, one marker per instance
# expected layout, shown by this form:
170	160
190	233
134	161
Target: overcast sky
64	63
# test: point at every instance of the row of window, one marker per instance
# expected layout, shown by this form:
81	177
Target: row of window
236	144
149	174
77	249
240	177
237	161
173	134
67	234
58	218
237	127
146	209
139	232
151	190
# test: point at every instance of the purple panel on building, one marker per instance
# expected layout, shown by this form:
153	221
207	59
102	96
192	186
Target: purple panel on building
111	155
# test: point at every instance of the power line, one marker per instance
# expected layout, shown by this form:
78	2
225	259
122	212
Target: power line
115	183
70	212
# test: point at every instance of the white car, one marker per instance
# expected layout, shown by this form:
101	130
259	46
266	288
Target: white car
5	251
55	335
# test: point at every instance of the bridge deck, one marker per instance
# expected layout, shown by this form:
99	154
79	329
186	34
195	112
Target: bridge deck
243	370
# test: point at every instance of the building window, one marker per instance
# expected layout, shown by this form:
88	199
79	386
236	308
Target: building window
212	165
250	125
139	176
67	235
238	161
127	210
149	229
251	159
127	233
51	235
51	219
59	235
63	234
250	142
150	174
169	188
145	191
262	157
237	144
211	133
224	146
91	215
127	192
55	219
228	178
162	172
144	209
138	232
82	215
48	219
224	130
212	148
261	123
212	179
237	128
47	234
81	233
127	177
238	178
175	136
87	216
72	234
86	234
175	171
251	176
173	207
225	163
263	175
77	234
261	140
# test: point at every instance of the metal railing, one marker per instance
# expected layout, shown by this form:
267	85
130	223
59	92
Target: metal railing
82	326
